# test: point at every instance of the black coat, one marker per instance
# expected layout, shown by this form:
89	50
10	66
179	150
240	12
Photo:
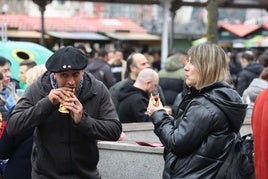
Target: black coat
197	140
101	71
245	77
133	104
62	149
171	88
18	152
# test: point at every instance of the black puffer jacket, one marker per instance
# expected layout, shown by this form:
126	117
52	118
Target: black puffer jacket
198	140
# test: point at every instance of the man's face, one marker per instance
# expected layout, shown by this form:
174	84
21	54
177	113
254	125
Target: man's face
23	70
118	55
152	85
70	78
139	63
5	69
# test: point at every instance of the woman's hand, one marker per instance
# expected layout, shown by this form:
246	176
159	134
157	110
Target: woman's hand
154	105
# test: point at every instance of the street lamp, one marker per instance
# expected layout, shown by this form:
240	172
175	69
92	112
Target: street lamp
42	7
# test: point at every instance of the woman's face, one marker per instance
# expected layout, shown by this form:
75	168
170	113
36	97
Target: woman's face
191	73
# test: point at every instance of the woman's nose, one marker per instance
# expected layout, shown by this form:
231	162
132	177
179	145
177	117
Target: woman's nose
185	67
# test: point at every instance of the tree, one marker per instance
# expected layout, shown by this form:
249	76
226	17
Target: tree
212	25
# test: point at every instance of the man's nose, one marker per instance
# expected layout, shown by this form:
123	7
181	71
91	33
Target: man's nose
71	80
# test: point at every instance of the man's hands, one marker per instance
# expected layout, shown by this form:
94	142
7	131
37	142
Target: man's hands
66	96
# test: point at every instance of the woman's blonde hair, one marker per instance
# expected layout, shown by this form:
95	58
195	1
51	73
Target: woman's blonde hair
33	73
211	62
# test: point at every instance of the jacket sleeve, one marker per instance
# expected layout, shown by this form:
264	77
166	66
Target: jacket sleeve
109	76
105	125
29	112
186	133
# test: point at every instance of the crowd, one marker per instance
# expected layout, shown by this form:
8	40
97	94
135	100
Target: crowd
204	95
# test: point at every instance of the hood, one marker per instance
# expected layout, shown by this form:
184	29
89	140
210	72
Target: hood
128	90
95	65
173	63
230	102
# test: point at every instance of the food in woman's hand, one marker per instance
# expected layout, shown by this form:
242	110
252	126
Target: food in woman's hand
155	95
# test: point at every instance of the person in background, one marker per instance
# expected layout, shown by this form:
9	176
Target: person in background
3	122
198	140
172	77
33	73
263	59
254	89
135	63
133	98
260	135
118	65
3	109
9	85
234	67
156	60
110	56
70	111
100	68
250	69
25	65
82	48
17	150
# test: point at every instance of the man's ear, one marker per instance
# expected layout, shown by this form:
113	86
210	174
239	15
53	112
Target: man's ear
148	82
131	68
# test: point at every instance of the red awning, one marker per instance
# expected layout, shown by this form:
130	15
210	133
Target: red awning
240	30
71	24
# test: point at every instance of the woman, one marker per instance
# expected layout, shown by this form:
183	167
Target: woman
17	150
198	139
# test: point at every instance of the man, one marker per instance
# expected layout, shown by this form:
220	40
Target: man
100	68
82	48
9	84
172	77
25	65
118	65
260	133
65	144
135	63
133	99
250	70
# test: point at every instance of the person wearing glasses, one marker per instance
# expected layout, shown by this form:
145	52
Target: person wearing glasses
9	84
